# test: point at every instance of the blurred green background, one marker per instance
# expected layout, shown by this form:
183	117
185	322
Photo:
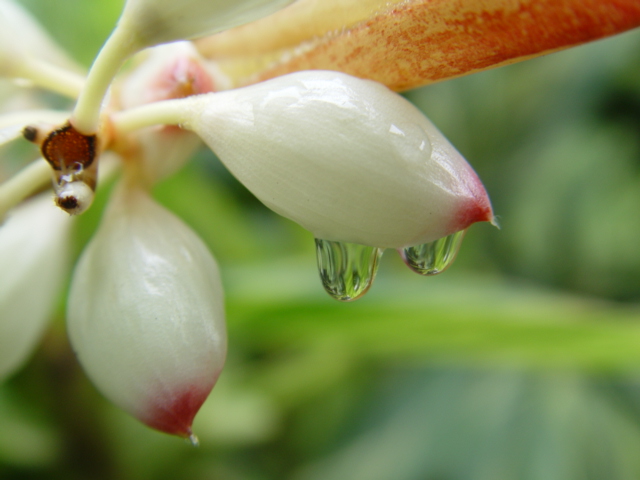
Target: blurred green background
520	362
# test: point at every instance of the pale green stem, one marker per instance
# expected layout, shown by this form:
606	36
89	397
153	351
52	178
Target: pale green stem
50	77
25	183
86	115
25	117
167	112
10	133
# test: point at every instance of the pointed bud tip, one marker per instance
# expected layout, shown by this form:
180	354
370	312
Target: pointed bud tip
175	417
471	212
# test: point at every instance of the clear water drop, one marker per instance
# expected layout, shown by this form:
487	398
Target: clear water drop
74	197
434	257
347	270
193	440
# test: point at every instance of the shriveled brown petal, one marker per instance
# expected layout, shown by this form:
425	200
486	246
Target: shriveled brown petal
413	43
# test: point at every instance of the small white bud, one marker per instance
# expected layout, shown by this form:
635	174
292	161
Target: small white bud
348	159
145	313
34	242
152	22
169	71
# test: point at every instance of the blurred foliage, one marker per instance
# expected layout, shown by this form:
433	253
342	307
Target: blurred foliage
518	363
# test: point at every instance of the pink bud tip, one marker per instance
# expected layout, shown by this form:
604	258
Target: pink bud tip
183	78
176	416
471	212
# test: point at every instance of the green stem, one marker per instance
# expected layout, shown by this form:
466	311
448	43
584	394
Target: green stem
51	77
167	112
28	181
26	117
118	47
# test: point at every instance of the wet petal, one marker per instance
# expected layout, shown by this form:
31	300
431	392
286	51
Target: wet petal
346	158
146	314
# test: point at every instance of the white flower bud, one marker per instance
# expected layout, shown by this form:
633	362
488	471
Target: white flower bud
174	70
145	313
169	71
346	158
152	22
163	151
33	260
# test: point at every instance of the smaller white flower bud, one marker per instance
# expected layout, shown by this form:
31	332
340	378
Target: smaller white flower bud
145	313
34	242
175	70
152	22
348	159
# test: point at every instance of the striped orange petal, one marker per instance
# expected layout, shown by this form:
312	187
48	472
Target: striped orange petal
407	44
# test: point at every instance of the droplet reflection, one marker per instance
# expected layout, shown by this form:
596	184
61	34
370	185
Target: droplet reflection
434	257
347	270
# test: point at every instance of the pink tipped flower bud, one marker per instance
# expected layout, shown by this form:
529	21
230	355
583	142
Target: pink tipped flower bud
34	241
146	314
348	159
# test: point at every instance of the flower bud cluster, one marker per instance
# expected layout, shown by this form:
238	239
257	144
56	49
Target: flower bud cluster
346	158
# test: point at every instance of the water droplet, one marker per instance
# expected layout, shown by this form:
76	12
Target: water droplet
74	197
193	440
347	270
434	257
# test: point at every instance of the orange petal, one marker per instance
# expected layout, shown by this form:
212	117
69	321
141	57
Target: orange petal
413	43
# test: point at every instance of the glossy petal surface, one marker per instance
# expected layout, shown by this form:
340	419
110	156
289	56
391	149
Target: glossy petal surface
346	158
